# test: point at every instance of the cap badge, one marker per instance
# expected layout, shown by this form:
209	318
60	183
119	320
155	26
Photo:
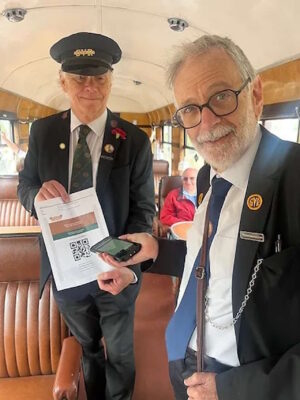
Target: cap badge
62	146
109	148
254	202
84	52
200	198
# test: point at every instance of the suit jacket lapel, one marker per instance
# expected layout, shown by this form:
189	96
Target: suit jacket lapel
109	150
262	181
61	142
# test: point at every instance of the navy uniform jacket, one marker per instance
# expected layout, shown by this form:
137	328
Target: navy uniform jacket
124	183
268	333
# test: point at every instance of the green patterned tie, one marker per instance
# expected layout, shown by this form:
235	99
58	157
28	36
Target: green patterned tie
82	175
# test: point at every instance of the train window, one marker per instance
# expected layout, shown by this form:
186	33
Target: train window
7	156
286	129
6	127
166	145
191	157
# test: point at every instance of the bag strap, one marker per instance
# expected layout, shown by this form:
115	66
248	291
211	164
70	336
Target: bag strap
203	183
201	290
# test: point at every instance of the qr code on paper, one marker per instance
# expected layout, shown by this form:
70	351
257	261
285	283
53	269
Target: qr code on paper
80	249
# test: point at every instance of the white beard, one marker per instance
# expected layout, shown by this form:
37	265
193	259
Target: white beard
222	155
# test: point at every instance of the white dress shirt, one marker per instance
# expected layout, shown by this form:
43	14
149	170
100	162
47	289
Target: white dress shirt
94	140
220	344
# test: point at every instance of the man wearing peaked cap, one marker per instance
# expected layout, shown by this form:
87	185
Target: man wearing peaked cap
118	163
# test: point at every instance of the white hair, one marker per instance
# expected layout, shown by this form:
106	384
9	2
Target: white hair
203	45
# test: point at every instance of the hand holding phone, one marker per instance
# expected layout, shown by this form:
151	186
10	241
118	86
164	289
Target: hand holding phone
119	249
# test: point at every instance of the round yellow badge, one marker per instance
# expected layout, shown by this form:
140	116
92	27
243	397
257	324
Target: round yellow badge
254	202
200	198
62	146
109	148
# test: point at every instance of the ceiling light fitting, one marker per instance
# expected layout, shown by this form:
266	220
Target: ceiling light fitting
177	24
14	14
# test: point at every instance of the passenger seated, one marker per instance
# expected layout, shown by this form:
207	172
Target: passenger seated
180	203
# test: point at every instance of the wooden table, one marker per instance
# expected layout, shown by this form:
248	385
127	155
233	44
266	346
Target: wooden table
180	229
15	230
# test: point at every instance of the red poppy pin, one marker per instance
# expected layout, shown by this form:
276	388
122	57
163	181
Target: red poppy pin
119	133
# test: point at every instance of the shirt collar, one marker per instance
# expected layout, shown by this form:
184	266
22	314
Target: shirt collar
97	126
189	194
238	173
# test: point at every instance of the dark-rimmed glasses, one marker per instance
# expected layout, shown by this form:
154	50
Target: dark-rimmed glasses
221	104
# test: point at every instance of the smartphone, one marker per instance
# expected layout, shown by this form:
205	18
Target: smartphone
119	249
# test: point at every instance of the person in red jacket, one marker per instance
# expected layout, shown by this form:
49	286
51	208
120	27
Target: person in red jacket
180	203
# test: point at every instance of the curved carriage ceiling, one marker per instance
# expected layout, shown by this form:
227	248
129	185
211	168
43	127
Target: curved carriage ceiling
268	31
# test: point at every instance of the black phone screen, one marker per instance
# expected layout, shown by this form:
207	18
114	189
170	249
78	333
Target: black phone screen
120	249
114	246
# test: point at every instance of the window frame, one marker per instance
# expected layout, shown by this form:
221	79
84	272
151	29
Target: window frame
12	130
169	126
282	111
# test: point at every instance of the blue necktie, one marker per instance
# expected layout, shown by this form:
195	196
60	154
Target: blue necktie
183	322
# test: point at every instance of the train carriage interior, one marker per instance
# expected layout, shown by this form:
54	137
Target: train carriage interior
32	332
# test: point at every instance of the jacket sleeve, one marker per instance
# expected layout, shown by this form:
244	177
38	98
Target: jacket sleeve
29	181
170	259
142	204
168	214
275	378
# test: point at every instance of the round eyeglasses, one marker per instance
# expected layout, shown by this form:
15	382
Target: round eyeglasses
221	104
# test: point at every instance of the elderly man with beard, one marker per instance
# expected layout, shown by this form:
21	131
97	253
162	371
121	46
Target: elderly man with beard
252	302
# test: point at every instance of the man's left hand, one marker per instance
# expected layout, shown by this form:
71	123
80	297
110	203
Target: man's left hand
116	280
201	386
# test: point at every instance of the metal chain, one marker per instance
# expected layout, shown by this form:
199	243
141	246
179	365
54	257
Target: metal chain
243	305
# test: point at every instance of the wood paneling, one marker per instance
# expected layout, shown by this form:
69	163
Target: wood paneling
139	119
24	109
282	83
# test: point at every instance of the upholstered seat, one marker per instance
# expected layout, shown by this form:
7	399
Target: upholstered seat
160	169
32	387
8	186
12	213
31	330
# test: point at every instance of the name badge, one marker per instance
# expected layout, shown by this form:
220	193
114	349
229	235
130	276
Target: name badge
107	157
254	236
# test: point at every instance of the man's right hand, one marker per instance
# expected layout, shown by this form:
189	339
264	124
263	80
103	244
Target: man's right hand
50	190
149	250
